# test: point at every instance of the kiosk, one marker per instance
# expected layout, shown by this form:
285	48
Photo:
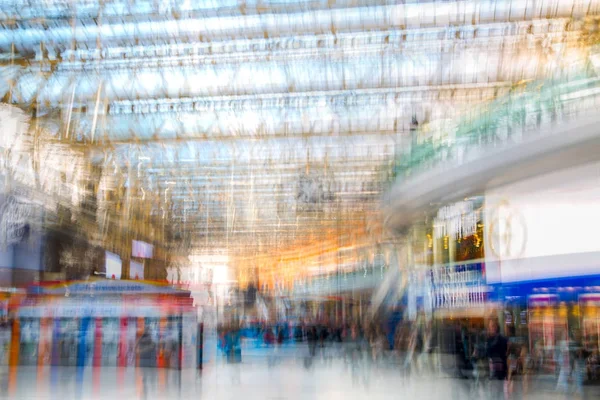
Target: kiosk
98	323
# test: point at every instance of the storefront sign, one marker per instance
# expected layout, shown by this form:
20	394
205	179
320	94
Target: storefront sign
456	221
101	287
458	286
457	296
108	310
456	274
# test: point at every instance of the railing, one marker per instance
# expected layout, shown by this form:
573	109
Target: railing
523	114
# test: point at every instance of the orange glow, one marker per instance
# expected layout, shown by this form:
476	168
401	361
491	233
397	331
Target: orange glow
282	268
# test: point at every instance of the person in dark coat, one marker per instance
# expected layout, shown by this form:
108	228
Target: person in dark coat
459	352
147	350
496	352
280	335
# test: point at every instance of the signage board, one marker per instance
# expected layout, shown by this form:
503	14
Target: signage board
113	265
460	285
141	249
544	228
101	287
136	270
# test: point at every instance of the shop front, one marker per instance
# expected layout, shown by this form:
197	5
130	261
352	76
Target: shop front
547	314
447	293
100	323
542	261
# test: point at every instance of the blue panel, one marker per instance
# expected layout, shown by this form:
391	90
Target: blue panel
55	343
567	289
81	345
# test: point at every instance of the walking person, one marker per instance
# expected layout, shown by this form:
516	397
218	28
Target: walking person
377	345
496	353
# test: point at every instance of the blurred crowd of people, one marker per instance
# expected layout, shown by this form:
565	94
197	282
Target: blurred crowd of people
495	366
351	340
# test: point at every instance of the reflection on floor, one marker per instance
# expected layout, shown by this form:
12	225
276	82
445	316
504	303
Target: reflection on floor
253	379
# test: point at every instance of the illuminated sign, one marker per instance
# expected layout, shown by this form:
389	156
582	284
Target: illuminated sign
544	227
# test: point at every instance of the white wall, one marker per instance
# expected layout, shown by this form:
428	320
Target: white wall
546	227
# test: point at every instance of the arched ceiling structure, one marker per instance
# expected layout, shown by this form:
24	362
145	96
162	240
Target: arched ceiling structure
257	125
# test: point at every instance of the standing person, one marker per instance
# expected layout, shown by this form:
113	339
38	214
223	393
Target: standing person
377	345
280	335
564	367
313	337
523	367
425	357
513	366
338	334
278	341
579	369
460	356
496	353
410	350
354	351
269	337
323	335
147	352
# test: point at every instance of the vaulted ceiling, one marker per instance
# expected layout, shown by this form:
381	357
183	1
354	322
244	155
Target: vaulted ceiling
258	125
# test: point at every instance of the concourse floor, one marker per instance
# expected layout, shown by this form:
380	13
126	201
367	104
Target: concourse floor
258	379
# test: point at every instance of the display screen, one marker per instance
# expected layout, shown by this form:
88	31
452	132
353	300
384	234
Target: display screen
113	266
141	249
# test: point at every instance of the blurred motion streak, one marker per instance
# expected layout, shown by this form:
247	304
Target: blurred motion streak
307	199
